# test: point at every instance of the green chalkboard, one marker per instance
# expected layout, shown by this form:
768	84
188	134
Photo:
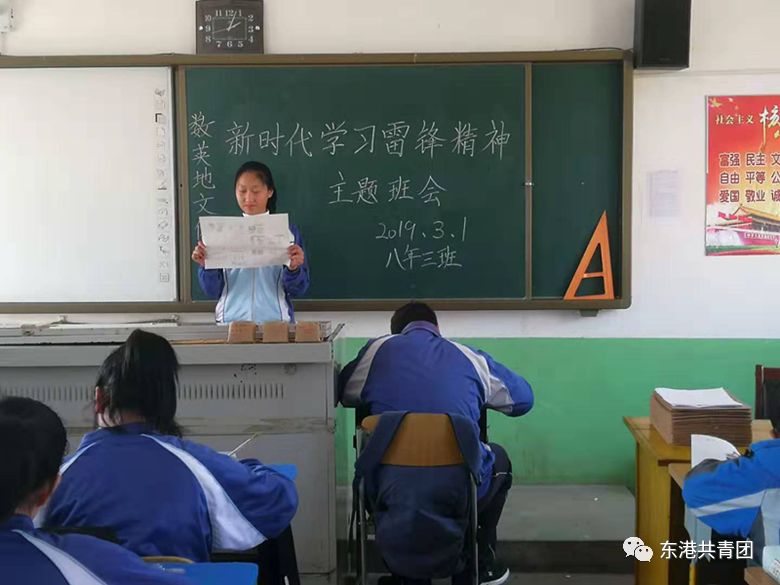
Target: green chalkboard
406	181
409	180
577	170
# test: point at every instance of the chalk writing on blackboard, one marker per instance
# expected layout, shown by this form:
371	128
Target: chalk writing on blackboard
368	135
465	139
431	191
395	137
202	202
239	139
200	154
497	139
199	126
271	140
338	137
428	139
366	192
412	258
418	256
338	190
409	229
204	179
399	189
435	243
332	136
405	228
303	136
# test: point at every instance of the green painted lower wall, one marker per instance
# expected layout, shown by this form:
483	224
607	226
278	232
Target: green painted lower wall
583	389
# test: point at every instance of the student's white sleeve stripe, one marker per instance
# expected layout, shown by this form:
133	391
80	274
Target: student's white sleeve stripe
500	398
496	393
73	571
480	366
284	308
40	517
231	530
770	516
222	301
748	501
357	380
65	466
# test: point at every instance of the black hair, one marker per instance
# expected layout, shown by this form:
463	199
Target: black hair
409	313
142	376
32	445
263	173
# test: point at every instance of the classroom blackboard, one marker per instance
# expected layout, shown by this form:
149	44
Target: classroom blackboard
577	163
407	182
428	181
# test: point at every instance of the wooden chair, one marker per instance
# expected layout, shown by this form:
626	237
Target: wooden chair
422	440
767	389
363	411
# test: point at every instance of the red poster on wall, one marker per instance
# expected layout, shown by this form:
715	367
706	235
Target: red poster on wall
743	175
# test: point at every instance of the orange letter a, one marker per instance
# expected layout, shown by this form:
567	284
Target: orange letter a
599	238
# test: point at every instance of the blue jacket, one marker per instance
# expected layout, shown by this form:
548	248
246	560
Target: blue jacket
256	294
421	514
33	557
420	371
166	496
739	497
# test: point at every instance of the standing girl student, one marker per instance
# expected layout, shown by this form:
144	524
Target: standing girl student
160	494
32	444
255	294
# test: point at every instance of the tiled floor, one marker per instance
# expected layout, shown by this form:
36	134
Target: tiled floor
544	513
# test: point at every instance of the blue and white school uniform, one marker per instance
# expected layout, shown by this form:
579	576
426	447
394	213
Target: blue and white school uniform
34	557
739	497
418	370
163	495
256	294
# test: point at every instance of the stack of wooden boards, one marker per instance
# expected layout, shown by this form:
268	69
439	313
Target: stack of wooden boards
278	332
271	332
678	414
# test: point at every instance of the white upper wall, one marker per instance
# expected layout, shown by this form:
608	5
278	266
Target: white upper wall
57	27
677	291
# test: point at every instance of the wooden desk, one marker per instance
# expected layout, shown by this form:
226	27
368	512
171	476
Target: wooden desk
678	471
659	516
757	576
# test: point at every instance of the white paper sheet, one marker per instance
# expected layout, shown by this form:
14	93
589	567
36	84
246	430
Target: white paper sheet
707	447
664	194
246	242
770	560
711	398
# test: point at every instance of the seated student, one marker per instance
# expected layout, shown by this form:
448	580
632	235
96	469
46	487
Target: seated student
415	369
32	444
255	294
160	494
741	497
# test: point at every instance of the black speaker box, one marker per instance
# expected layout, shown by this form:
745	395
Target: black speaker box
662	34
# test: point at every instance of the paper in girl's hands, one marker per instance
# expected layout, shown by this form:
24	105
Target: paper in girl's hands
246	242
